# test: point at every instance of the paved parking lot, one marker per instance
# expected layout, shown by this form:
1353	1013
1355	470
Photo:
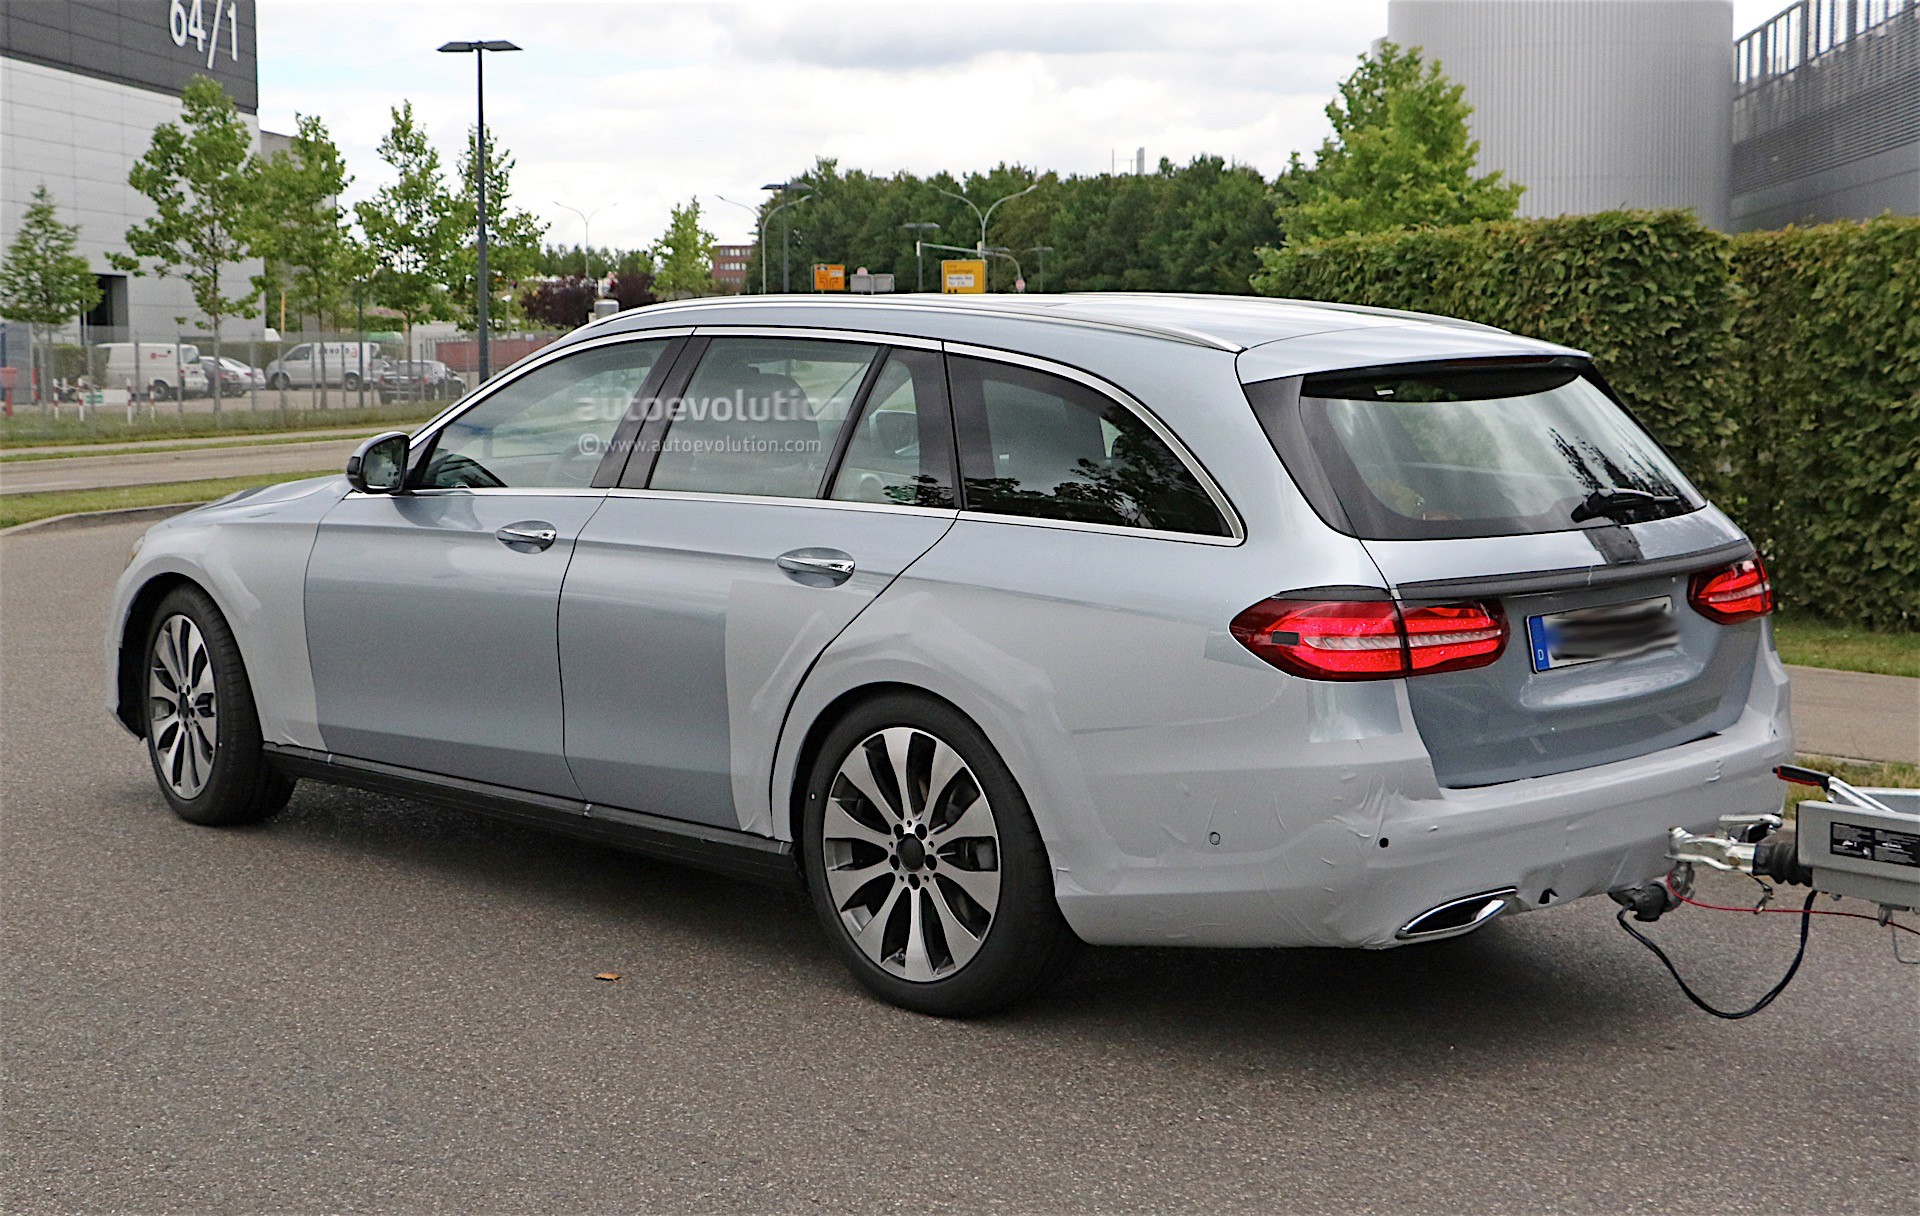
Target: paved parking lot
370	1005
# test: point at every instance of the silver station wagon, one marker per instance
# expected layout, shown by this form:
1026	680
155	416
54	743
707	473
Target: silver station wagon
1002	624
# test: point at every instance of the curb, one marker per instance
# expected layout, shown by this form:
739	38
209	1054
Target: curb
100	519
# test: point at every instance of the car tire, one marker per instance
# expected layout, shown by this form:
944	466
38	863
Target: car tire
926	918
279	381
160	390
192	673
351	382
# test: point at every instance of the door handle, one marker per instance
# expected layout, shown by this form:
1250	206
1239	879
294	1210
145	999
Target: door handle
817	567
527	536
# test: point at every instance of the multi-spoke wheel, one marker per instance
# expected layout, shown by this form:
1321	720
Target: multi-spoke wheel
183	706
925	864
203	734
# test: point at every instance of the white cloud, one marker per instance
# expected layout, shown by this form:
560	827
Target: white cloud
647	105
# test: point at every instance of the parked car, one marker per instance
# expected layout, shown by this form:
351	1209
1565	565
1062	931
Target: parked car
163	370
235	377
1001	624
418	380
343	364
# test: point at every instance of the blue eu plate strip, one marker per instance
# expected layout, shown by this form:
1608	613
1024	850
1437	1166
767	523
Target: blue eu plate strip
1537	643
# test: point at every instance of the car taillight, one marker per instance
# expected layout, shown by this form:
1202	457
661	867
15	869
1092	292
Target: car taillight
1371	639
1739	592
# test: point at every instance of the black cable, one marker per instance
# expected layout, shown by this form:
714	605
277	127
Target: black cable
1806	921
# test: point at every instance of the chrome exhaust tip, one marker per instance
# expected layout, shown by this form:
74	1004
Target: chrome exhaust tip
1457	916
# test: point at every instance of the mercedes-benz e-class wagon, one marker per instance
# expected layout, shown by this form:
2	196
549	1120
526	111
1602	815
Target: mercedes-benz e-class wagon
1001	624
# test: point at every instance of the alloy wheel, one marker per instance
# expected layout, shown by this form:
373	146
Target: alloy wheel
912	854
182	706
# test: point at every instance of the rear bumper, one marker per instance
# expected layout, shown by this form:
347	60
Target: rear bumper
1354	879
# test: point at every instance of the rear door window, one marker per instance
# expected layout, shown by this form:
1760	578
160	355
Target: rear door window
1419	454
1043	446
761	416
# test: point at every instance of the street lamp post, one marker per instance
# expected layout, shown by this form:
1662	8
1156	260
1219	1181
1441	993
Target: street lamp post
786	246
1040	275
988	213
586	237
478	50
919	267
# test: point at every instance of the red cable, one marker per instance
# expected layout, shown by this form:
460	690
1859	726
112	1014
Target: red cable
1891	924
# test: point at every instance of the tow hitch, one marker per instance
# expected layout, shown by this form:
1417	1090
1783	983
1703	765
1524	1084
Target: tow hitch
1859	843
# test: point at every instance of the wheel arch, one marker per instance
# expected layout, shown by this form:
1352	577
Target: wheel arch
132	655
830	716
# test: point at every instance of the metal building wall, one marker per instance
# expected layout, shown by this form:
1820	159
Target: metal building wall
1591	104
1827	114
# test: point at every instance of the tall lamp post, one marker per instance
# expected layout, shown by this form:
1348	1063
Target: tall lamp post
586	238
478	50
919	231
1040	275
786	247
988	213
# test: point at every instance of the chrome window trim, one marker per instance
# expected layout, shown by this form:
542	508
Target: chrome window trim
1070	525
558	350
858	336
1221	503
774	500
524	491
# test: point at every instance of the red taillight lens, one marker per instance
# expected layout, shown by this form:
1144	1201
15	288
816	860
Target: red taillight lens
1735	593
1449	637
1370	639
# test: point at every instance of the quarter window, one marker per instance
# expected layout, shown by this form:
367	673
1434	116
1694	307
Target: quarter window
1043	446
548	428
761	416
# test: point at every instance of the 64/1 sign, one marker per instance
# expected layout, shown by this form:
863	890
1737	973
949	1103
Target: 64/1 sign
184	22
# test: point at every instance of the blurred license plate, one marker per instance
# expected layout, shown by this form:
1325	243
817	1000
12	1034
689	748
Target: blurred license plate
1609	631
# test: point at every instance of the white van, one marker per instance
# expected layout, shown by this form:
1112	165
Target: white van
337	363
163	369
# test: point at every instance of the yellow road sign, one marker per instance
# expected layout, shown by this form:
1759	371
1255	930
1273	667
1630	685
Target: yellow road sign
963	275
828	277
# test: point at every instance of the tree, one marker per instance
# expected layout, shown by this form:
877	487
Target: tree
685	255
412	227
205	185
513	236
43	282
1399	156
302	228
560	303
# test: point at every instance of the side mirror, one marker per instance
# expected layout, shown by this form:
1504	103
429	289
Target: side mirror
380	464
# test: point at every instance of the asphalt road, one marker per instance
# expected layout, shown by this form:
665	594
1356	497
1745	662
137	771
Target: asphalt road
185	464
369	1005
1854	713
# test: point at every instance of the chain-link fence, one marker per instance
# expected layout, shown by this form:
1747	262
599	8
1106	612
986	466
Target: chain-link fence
133	375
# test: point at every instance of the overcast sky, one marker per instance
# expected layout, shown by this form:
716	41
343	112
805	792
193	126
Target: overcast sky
647	104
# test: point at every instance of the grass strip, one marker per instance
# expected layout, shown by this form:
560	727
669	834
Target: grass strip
145	448
1811	642
1892	773
25	508
43	431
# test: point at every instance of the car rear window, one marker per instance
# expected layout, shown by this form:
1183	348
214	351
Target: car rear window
1424	453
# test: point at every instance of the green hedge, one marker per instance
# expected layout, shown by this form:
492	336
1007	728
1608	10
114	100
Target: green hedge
1780	369
1829	341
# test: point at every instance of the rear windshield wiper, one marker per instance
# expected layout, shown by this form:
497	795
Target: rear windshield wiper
1617	503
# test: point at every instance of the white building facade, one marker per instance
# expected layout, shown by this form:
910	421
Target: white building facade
83	84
